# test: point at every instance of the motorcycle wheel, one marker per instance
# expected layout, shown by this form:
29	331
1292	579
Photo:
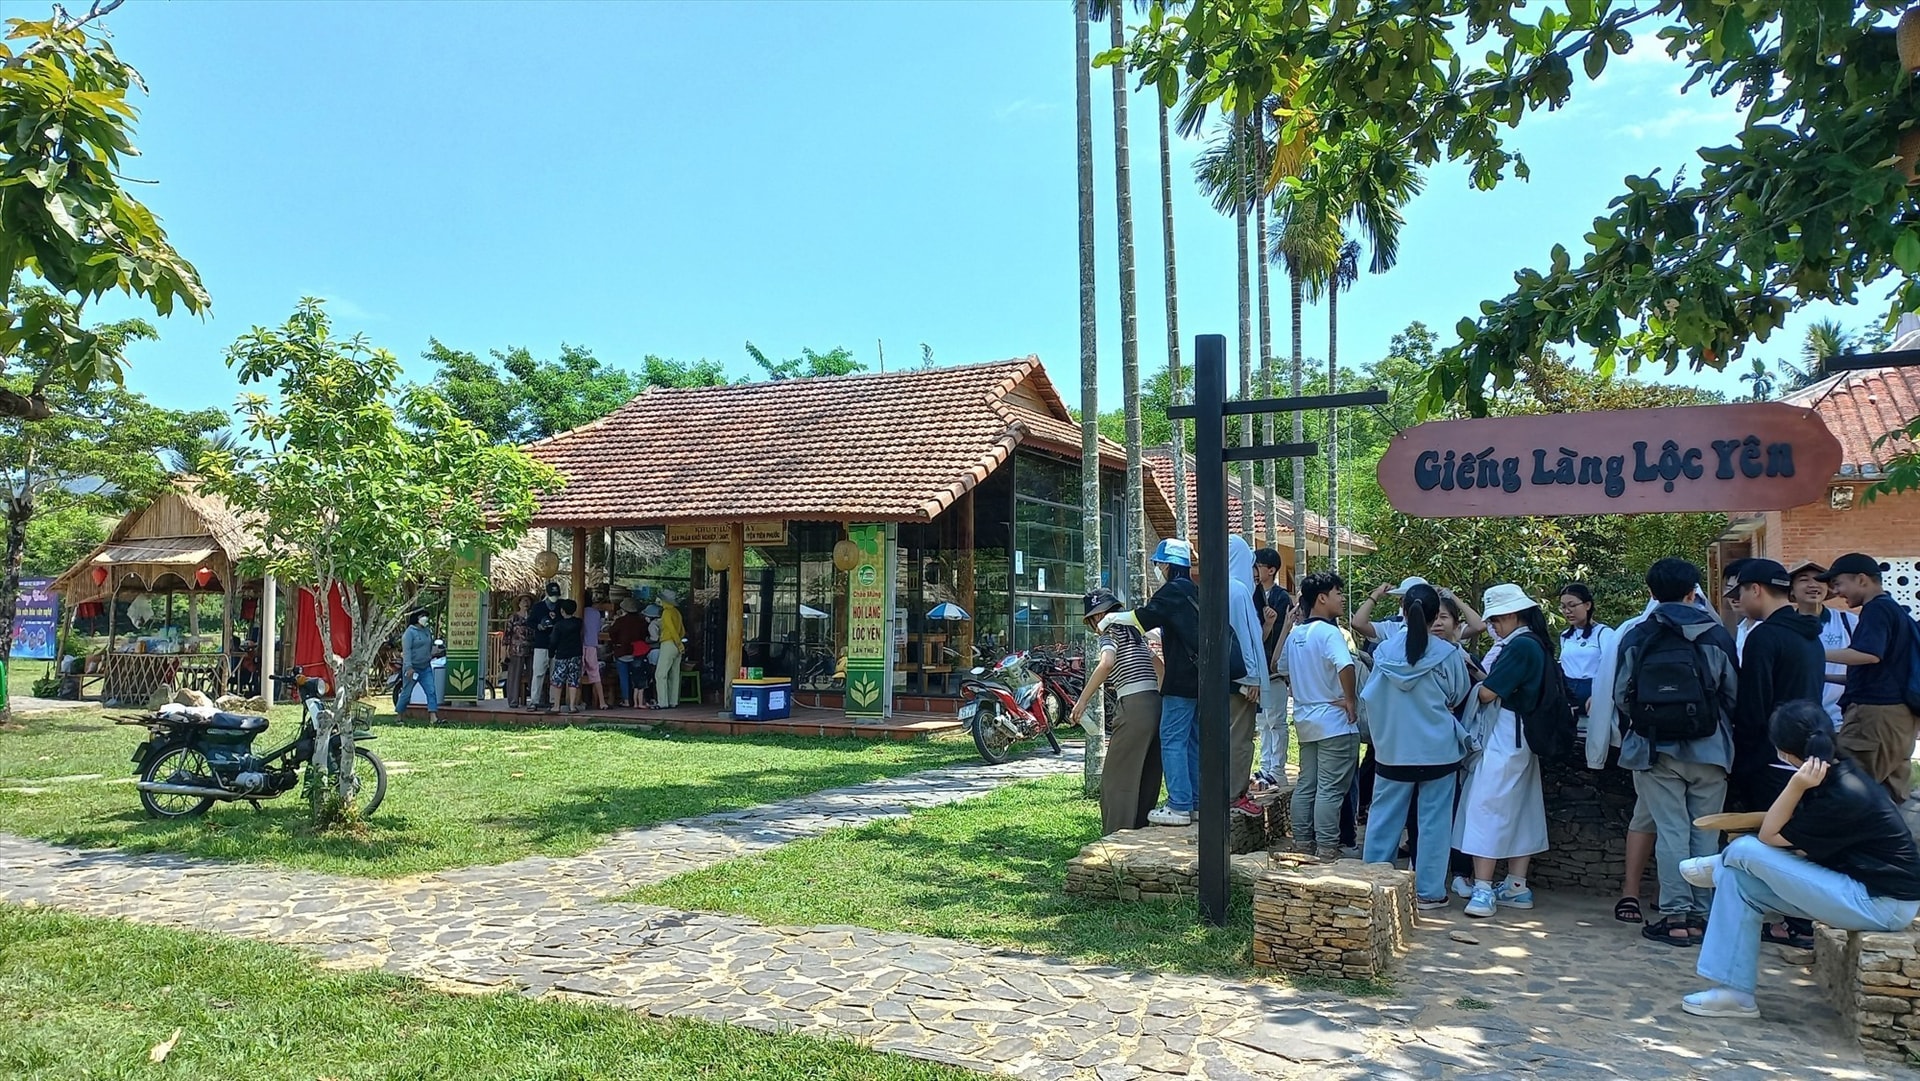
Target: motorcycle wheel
369	790
989	738
180	765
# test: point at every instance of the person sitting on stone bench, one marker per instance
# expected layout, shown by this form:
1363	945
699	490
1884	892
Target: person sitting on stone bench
1857	868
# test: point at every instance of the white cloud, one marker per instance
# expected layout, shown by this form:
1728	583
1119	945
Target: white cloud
1679	118
342	308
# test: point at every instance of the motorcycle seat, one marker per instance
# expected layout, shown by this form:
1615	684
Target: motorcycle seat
237	722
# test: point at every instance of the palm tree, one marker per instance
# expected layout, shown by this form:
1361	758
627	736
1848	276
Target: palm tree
1763	380
1341	276
1825	338
1227	176
184	458
1089	367
1173	325
1265	290
1135	529
1301	243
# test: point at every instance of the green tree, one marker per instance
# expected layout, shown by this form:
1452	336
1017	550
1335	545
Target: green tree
368	487
478	392
95	449
66	216
836	361
1762	379
516	398
61	531
560	395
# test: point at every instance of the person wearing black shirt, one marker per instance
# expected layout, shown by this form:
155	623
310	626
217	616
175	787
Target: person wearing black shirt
1175	611
1860	871
569	646
540	629
1876	726
1782	662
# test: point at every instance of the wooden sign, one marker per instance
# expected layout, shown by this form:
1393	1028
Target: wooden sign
1754	457
701	534
867	652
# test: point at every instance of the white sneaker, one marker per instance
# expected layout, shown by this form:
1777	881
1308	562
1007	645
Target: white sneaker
1461	887
1167	816
1720	1002
1702	871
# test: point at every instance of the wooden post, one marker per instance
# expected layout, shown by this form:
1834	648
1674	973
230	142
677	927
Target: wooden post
269	638
579	565
736	607
963	584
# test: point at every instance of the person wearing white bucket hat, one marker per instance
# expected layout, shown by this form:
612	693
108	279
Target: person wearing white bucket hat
1502	814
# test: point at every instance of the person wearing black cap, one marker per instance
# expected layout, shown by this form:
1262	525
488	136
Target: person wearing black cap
1730	582
1130	780
1876	726
1836	627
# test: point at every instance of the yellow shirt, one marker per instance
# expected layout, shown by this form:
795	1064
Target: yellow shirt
672	627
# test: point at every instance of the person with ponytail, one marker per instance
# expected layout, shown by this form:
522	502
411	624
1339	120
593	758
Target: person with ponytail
1856	869
1418	679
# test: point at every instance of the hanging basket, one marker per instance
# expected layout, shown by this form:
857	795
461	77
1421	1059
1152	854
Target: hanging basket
1908	155
546	564
1906	39
846	555
719	555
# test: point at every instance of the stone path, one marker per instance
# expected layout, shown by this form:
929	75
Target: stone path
1523	1003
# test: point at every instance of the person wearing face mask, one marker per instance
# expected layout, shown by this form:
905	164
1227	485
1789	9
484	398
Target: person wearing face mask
1836	627
541	619
416	664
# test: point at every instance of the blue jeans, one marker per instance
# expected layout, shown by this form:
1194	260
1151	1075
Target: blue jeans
1757	880
1180	751
1326	773
424	677
624	667
1434	801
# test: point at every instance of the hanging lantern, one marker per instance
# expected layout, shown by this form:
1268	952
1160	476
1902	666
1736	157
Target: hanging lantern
846	555
1907	155
99	576
1906	39
202	576
719	555
546	564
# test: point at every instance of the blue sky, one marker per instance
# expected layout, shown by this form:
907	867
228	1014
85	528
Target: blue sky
678	179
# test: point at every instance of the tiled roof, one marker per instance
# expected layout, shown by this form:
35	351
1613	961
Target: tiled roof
1161	458
1859	408
900	446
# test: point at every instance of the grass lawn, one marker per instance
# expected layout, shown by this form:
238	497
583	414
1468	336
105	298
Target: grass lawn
456	795
986	870
91	998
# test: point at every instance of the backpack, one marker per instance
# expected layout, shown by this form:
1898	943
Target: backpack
1667	695
1549	727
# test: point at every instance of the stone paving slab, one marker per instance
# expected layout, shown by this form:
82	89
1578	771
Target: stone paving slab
1564	999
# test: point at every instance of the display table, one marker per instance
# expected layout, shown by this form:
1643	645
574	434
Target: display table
769	699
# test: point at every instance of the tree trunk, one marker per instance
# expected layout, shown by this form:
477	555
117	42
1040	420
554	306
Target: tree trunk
19	512
1333	423
1182	523
1134	533
1242	162
1267	502
1296	295
1089	369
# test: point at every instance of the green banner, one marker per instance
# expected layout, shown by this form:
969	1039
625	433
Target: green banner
868	626
464	631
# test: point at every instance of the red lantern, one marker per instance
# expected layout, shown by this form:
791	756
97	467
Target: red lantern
202	576
99	576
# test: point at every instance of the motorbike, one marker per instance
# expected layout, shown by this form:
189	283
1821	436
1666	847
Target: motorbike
194	759
1009	704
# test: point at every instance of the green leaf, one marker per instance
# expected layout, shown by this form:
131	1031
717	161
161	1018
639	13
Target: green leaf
1906	251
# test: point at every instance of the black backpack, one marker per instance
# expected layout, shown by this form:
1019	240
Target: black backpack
1549	727
1667	696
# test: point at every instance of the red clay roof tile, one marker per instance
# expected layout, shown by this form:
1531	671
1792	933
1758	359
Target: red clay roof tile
1859	408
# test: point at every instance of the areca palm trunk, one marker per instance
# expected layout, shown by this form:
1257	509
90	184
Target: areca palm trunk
1243	167
1134	532
1173	327
1333	424
1296	289
1266	369
1094	722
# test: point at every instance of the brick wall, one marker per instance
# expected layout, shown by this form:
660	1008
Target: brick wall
1887	528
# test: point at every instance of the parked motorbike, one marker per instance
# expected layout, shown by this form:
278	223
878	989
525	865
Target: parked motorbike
1007	705
191	760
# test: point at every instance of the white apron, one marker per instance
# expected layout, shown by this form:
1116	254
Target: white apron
1502	812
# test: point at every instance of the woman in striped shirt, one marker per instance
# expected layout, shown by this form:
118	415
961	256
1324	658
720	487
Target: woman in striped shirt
1130	782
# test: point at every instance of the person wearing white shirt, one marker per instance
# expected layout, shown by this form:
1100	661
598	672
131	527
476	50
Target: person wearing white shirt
1603	734
1836	626
1319	666
1582	646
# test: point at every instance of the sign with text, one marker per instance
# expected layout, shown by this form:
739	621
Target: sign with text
1752	457
464	630
868	640
36	620
699	534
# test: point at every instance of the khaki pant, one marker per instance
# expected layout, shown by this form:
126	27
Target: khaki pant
1880	738
1130	781
666	683
1241	718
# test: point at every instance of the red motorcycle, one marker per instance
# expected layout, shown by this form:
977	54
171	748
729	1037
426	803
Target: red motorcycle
1024	696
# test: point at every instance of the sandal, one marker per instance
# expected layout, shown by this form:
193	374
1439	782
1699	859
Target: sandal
1791	938
1663	932
1627	910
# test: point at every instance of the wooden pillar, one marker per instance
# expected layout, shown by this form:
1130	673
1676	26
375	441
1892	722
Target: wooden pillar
736	606
269	637
579	593
963	583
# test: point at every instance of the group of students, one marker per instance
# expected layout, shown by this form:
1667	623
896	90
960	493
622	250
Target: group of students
555	651
1803	719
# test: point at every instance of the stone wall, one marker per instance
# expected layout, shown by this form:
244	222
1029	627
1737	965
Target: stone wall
1341	920
1587	816
1873	980
1152	864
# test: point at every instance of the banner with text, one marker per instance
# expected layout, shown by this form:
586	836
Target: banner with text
36	620
464	631
868	637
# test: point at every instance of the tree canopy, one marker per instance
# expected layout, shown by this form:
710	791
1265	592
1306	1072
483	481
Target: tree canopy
836	361
516	397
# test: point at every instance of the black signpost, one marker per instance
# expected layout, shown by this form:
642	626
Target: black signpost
1209	411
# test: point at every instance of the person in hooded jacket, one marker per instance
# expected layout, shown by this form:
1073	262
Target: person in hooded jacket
1253	692
1418	680
1679	780
416	666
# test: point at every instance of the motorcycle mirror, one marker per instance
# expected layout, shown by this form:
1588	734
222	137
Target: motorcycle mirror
979	671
